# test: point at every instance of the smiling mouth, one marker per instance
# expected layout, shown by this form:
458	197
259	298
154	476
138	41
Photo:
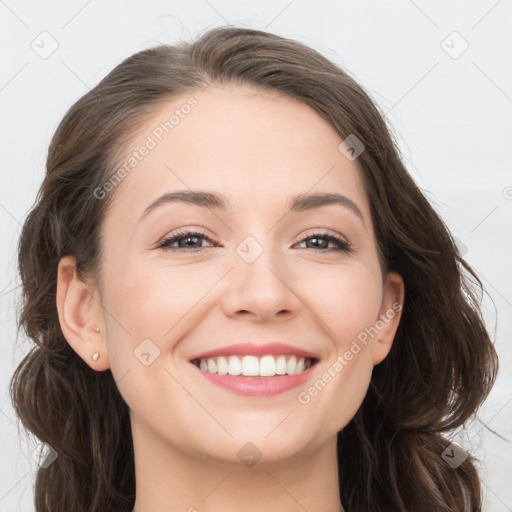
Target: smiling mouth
254	366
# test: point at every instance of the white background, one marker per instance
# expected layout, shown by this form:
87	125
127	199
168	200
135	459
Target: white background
451	116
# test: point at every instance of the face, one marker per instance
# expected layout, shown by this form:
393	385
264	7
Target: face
254	271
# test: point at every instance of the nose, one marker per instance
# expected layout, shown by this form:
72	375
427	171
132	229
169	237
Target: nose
260	285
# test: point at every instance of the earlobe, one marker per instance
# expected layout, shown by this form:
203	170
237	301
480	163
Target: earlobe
80	316
389	316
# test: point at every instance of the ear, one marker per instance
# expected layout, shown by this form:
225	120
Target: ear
389	316
80	315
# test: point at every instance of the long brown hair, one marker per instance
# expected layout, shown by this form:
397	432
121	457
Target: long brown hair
442	364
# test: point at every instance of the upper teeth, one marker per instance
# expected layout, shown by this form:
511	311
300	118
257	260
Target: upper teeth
252	366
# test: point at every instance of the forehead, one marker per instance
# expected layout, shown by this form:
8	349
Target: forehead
250	145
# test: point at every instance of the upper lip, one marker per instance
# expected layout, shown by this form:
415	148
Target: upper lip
242	349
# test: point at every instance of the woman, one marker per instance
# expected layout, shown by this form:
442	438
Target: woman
240	300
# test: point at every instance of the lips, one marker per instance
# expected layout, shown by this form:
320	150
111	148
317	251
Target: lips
251	349
252	386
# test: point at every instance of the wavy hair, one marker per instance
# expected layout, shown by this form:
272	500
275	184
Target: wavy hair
442	364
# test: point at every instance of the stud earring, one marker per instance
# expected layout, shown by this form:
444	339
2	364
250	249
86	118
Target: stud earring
95	356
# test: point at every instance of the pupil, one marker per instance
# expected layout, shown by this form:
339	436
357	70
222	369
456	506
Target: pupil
317	239
190	238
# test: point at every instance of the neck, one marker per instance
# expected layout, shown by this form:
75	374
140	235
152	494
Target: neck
169	480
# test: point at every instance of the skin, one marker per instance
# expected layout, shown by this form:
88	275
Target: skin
257	149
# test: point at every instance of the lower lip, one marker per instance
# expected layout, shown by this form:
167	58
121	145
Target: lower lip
257	386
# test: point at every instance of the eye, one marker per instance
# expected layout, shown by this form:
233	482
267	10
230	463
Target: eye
191	239
341	244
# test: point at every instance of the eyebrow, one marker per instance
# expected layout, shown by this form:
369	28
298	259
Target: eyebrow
298	203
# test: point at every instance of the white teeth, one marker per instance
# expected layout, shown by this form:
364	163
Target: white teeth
222	366
267	366
252	366
235	366
281	365
291	365
212	366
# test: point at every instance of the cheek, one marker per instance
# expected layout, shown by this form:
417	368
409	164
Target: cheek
156	302
149	310
348	305
347	300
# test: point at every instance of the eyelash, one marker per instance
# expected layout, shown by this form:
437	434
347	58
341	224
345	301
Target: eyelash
342	245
